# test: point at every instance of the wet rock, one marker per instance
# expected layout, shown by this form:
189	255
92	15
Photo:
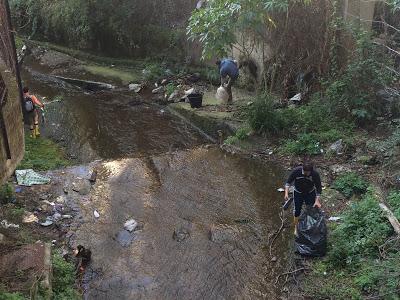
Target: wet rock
158	90
65	189
82	187
337	147
181	234
125	238
135	87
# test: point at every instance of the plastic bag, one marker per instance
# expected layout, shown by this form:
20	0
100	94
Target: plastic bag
311	239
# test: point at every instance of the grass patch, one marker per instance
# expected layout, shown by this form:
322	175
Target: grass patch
350	184
124	75
42	154
63	279
240	135
11	296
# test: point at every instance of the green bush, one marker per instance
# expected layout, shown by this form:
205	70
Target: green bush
350	184
305	143
6	193
352	93
363	230
63	279
241	134
263	117
394	203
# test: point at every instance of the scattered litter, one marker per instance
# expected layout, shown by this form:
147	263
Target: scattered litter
7	225
190	91
29	218
334	219
30	177
96	214
60	199
274	259
162	111
18	189
296	97
48	203
281	190
249	103
47	223
130	225
270	152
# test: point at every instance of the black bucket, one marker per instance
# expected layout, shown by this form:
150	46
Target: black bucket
195	100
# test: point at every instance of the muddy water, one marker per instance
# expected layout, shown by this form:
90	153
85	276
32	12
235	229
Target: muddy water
204	216
205	219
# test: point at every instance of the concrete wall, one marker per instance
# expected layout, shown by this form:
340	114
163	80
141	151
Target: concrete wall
361	11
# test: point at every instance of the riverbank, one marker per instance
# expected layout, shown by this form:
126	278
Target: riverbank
370	155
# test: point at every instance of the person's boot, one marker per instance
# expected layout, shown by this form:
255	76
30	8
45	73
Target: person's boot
37	132
33	133
295	223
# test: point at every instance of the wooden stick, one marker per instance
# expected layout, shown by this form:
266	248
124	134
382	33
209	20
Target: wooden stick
391	217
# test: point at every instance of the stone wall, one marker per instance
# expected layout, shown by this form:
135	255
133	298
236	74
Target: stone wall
11	120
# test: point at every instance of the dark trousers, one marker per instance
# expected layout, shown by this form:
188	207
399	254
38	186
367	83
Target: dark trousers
300	199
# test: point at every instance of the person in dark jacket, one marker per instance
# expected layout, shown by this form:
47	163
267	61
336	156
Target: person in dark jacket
307	189
229	72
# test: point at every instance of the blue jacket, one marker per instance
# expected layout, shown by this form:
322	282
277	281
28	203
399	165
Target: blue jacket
228	68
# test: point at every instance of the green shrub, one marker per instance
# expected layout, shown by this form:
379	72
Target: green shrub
263	117
153	71
63	279
170	88
305	143
350	184
352	93
241	134
6	193
363	230
394	203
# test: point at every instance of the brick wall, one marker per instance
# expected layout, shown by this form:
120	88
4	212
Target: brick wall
11	120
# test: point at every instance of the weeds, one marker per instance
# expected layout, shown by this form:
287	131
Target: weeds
350	184
42	154
63	279
6	193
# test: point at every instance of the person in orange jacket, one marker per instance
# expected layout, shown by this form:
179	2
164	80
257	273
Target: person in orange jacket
31	104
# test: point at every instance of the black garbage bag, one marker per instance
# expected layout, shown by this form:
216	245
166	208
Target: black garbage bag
311	239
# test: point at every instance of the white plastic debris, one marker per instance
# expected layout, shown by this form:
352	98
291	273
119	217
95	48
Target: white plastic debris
96	214
334	219
296	97
47	223
7	225
281	190
130	225
190	91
